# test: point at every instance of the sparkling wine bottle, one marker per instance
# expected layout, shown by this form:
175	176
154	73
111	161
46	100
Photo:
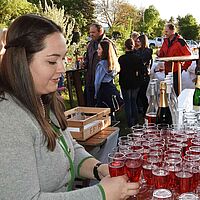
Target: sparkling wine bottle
171	102
163	114
153	104
196	96
173	94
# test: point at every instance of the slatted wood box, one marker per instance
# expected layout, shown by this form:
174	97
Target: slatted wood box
84	122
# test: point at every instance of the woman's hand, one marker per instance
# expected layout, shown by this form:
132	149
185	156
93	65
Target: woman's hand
118	188
103	170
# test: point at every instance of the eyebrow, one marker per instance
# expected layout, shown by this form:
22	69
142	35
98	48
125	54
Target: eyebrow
55	54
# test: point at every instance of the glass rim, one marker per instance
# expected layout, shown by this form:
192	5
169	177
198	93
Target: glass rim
162	193
128	155
112	155
187	194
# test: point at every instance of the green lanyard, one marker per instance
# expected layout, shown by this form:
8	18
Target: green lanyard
63	144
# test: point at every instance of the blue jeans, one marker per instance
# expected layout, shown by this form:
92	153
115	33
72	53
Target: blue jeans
131	109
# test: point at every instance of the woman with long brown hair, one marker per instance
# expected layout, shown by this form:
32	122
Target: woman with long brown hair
145	53
106	92
39	158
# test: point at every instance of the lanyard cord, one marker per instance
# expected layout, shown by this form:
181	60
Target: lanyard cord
63	144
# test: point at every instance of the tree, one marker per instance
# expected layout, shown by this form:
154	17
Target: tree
81	10
158	30
126	12
58	16
106	10
188	27
10	9
151	23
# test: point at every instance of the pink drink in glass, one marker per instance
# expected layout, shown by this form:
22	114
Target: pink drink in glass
116	162
133	166
174	166
116	168
184	181
160	177
149	164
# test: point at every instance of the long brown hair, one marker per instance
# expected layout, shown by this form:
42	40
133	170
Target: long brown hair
110	55
129	44
144	41
26	37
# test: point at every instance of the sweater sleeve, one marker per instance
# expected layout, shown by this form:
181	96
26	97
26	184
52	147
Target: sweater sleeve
91	193
100	73
80	155
18	163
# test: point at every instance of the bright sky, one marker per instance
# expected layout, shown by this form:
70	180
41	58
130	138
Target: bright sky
170	8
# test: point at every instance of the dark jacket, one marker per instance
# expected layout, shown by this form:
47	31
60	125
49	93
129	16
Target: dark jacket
131	70
92	59
146	55
176	47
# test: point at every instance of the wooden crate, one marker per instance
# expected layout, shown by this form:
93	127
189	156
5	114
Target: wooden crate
84	122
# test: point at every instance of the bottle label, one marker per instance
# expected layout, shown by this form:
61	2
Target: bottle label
196	108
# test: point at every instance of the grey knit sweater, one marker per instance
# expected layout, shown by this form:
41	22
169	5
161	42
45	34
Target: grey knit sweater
28	171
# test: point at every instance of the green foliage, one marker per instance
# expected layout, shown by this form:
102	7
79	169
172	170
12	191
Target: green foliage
151	23
124	30
126	11
77	50
188	27
58	16
158	30
11	9
81	10
51	11
125	19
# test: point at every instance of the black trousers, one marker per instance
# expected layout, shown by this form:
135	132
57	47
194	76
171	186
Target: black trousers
142	101
175	84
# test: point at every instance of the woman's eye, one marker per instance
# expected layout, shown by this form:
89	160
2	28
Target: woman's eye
51	62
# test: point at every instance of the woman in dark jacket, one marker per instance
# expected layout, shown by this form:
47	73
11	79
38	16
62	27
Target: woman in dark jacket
130	76
145	53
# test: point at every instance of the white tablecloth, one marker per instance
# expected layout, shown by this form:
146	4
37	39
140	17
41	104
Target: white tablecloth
185	99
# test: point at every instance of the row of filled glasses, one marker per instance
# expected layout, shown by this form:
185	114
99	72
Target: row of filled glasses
160	158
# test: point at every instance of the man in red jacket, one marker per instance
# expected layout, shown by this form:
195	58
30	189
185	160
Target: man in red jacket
174	45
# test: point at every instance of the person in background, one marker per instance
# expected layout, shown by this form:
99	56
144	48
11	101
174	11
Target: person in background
106	92
2	42
97	34
174	45
61	84
134	36
39	158
130	80
145	53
